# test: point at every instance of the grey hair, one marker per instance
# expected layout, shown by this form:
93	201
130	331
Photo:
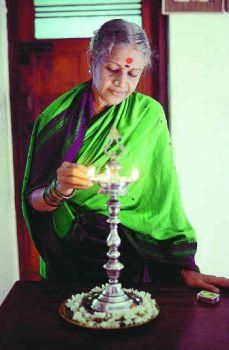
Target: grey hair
119	32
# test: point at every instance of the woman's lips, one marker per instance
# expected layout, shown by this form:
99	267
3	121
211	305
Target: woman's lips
117	93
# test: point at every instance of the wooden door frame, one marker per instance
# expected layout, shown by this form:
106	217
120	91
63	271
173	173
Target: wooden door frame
14	33
152	18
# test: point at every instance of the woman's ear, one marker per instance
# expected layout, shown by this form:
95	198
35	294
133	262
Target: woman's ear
90	63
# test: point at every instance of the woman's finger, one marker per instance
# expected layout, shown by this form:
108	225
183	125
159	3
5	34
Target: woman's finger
73	170
78	166
74	182
219	281
209	287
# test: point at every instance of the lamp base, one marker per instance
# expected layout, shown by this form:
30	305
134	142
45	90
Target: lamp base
78	310
112	299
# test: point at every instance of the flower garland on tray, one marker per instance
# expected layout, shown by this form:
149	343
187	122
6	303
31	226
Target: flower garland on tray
135	316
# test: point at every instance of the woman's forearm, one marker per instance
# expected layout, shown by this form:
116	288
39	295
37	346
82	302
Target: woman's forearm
37	201
70	177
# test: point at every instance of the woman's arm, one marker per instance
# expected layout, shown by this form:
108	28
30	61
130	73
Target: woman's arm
70	176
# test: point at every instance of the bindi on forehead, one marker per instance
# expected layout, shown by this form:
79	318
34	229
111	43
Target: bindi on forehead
129	60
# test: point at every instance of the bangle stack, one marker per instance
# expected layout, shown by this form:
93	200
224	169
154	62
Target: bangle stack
53	197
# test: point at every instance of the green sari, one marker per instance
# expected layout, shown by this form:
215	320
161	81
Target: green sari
151	214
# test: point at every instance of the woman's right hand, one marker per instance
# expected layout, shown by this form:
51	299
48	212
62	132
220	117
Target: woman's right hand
72	176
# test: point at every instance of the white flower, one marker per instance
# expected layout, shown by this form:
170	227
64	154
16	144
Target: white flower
137	315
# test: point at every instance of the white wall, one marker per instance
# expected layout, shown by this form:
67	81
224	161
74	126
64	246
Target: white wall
199	89
8	242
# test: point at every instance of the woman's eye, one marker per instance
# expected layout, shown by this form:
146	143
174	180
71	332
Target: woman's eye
133	75
112	69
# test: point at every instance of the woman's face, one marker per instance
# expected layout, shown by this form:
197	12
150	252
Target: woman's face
116	75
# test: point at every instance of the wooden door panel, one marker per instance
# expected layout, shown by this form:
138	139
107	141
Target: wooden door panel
41	70
48	73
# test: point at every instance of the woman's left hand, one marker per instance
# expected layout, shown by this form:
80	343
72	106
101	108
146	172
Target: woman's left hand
207	282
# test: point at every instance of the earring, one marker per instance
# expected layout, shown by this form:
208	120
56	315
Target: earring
116	82
89	71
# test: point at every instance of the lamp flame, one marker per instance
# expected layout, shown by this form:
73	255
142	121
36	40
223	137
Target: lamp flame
135	175
91	173
107	175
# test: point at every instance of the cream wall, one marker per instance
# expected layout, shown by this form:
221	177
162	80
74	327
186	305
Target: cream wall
199	98
8	244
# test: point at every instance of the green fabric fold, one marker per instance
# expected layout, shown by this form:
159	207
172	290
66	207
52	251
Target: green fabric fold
152	207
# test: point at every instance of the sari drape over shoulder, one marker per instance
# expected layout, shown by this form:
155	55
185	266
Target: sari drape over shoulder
152	217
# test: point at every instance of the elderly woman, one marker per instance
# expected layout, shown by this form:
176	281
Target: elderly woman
65	213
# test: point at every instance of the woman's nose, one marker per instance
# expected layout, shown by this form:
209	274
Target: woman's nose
122	78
